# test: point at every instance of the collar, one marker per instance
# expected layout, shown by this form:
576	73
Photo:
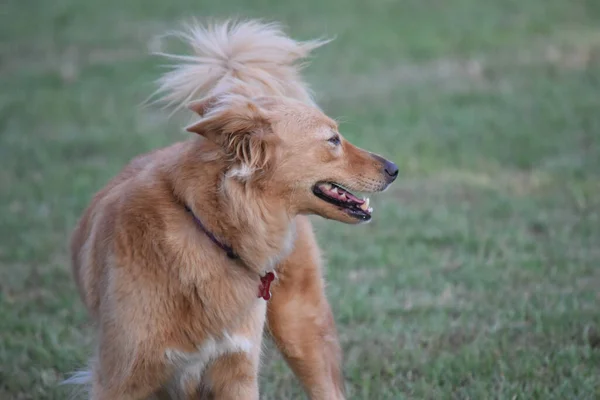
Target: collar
227	249
264	288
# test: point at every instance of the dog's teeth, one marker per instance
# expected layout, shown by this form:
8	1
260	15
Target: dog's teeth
370	210
343	196
365	206
334	190
326	186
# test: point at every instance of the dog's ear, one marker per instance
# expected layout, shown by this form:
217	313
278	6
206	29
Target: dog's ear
238	125
202	106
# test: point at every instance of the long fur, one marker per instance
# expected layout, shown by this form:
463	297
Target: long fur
157	285
228	55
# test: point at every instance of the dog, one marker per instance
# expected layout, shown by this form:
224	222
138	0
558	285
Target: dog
185	256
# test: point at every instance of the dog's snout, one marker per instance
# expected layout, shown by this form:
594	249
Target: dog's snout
391	170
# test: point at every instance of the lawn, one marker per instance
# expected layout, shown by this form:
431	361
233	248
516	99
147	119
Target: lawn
480	274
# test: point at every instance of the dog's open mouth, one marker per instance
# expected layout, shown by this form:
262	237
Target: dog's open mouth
338	196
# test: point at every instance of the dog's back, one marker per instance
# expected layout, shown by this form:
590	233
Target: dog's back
93	238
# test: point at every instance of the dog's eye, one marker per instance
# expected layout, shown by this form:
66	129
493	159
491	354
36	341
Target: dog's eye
335	140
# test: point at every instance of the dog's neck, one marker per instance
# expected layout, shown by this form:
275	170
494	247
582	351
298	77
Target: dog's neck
256	226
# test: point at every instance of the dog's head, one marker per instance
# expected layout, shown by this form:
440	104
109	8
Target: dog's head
294	152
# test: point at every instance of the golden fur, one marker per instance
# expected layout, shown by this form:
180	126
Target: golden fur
177	318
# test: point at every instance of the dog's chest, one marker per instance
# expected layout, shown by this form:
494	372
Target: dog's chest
194	363
244	338
190	366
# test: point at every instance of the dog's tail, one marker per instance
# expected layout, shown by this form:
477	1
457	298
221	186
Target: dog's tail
227	55
82	380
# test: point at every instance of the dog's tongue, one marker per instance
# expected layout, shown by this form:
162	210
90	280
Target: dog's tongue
354	198
341	194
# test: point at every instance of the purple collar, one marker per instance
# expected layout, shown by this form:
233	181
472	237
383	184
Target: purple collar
227	249
264	288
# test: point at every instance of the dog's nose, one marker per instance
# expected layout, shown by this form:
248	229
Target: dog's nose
391	170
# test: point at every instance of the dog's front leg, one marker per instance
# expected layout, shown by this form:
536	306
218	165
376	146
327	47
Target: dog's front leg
301	323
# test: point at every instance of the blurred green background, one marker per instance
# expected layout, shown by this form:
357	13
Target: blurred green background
480	274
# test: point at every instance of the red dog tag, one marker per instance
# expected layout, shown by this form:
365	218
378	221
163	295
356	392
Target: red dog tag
264	289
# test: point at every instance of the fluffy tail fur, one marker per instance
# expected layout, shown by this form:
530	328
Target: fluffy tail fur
82	379
257	56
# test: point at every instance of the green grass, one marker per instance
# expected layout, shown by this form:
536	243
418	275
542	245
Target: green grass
480	274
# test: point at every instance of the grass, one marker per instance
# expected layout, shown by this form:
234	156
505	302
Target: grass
480	275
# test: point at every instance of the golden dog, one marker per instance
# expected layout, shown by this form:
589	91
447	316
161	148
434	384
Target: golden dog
175	256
